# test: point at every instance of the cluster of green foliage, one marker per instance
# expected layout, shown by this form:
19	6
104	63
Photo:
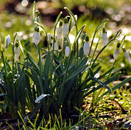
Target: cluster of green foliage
64	81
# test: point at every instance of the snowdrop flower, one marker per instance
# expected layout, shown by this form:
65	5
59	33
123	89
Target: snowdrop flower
126	52
117	51
36	36
59	30
17	52
7	41
104	37
66	27
86	48
55	46
67	51
41	97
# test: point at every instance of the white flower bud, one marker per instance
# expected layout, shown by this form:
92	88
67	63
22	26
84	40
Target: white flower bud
41	97
17	53
104	39
36	37
86	48
67	51
128	56
116	53
7	41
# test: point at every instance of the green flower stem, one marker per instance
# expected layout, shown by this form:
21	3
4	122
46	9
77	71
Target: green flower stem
13	64
92	41
38	47
113	67
13	59
2	56
63	82
41	27
57	20
95	50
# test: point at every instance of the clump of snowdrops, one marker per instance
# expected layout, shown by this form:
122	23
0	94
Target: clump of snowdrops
66	72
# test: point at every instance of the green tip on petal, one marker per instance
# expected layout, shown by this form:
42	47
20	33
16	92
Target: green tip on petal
118	45
87	38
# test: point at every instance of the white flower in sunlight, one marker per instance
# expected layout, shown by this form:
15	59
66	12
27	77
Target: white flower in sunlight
67	51
55	46
41	97
116	53
104	39
86	48
127	56
59	30
17	53
65	27
71	38
7	41
36	37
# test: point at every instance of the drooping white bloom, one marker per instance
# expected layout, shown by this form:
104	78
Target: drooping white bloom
65	29
59	31
55	46
116	53
7	41
104	39
41	97
67	51
17	53
128	56
86	48
36	37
